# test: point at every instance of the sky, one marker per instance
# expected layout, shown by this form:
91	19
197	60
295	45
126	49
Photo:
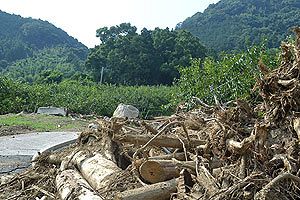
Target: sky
81	18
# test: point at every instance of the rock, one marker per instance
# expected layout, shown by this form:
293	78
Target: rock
126	111
93	126
52	111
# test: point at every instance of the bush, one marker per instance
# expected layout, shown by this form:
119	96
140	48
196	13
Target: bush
85	99
229	78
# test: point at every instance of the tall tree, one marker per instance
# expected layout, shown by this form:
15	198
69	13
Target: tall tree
148	58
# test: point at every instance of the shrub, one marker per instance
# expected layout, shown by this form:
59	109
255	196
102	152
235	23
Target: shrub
85	99
229	78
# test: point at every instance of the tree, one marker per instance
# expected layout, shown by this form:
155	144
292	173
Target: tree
148	58
105	34
50	76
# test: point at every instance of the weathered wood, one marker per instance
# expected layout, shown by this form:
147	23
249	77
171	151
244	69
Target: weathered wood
177	156
96	169
184	184
266	192
206	180
296	125
161	141
240	147
71	185
158	191
155	171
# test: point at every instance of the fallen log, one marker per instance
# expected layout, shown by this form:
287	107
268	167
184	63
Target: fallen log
158	191
97	170
71	185
155	171
161	141
177	156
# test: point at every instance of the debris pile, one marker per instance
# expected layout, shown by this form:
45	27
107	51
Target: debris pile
215	152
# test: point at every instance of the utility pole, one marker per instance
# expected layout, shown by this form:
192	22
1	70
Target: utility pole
101	77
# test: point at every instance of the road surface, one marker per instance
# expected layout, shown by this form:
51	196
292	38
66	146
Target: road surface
16	151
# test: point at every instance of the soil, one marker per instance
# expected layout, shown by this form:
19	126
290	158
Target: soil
14	130
28	123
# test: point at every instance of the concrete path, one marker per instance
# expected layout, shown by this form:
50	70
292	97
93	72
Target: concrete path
16	151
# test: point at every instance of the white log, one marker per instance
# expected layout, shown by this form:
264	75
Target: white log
96	169
71	185
158	191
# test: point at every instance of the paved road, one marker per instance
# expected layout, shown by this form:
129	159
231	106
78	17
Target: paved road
16	151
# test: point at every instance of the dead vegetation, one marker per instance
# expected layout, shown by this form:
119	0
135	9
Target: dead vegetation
215	152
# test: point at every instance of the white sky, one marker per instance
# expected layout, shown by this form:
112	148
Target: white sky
81	18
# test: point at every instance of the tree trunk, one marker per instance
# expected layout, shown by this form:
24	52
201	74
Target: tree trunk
158	191
161	141
71	185
97	170
155	171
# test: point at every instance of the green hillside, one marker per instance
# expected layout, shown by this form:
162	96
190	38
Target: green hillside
236	24
50	65
25	42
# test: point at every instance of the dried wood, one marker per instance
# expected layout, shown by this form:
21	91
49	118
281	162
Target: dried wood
177	156
184	184
240	147
161	141
158	191
296	125
97	169
71	185
207	181
266	192
154	171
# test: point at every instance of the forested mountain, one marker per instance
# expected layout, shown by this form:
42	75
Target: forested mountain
50	65
147	58
236	24
25	41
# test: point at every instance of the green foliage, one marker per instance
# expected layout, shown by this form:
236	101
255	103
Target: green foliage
229	78
149	58
85	99
50	65
236	24
25	41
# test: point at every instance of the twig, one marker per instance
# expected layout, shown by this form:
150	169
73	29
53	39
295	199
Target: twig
154	137
49	194
200	102
149	128
221	194
264	191
184	149
15	196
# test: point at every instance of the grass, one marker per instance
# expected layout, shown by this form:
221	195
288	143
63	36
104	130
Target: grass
41	123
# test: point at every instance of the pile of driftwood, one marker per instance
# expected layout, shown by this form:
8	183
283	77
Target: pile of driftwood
225	151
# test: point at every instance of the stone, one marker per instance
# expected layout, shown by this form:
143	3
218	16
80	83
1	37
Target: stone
126	111
93	126
52	111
